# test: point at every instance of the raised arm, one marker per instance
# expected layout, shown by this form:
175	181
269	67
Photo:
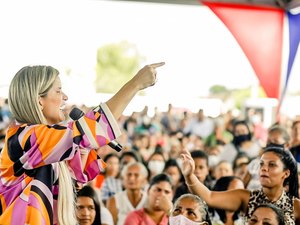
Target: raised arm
228	200
144	78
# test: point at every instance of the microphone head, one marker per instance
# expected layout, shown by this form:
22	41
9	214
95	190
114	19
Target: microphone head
76	114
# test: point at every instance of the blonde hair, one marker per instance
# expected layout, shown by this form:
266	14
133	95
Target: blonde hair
28	85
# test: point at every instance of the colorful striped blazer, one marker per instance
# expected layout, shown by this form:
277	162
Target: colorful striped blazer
29	164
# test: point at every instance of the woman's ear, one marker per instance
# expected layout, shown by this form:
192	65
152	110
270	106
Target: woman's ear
287	173
41	103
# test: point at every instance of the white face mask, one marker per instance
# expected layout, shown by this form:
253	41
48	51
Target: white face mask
213	160
156	166
182	220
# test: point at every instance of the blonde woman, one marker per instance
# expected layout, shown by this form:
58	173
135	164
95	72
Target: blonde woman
41	154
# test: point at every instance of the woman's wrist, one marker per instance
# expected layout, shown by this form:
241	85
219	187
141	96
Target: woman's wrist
191	180
169	212
134	84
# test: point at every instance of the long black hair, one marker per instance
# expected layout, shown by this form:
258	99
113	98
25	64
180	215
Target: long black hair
88	191
289	163
161	177
222	184
173	163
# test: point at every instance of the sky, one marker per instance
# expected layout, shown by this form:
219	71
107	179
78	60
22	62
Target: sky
198	49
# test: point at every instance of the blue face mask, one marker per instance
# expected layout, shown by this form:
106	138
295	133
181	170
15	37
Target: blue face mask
182	220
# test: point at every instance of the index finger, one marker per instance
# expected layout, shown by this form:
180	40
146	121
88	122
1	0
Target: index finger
155	65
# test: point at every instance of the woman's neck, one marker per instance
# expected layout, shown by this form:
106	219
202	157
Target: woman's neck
155	215
273	194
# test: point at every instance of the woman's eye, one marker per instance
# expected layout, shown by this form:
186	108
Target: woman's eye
272	165
252	221
191	213
91	208
266	223
176	212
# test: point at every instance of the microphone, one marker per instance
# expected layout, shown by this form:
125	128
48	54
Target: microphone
77	114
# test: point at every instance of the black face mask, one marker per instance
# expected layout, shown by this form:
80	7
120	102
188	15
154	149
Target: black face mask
295	150
275	145
237	140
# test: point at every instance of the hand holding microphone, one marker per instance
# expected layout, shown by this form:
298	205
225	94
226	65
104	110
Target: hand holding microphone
77	115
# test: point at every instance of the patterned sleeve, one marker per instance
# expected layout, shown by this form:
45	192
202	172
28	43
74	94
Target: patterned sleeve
31	146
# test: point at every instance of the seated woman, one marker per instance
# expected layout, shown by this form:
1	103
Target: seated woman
201	172
189	209
221	216
173	170
88	209
267	214
278	178
112	183
158	204
156	164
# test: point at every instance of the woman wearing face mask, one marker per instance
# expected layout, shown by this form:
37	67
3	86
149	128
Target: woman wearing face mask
156	164
242	142
189	209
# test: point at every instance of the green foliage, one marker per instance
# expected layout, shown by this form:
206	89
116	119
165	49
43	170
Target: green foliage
218	89
239	95
116	64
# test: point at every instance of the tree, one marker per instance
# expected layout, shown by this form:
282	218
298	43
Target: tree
116	64
238	95
219	91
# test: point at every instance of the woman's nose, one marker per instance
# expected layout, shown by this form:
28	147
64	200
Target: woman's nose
65	97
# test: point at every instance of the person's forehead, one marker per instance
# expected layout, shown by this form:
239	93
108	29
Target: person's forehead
188	203
57	81
134	169
84	200
199	161
163	185
157	157
270	156
128	158
265	212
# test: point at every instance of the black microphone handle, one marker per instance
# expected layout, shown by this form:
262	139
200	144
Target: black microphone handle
115	145
76	114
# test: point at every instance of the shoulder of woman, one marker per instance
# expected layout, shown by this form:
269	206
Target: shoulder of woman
297	209
297	202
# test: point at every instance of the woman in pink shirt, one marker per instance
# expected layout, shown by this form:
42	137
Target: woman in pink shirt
159	203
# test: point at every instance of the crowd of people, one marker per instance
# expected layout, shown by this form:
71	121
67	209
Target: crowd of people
176	167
